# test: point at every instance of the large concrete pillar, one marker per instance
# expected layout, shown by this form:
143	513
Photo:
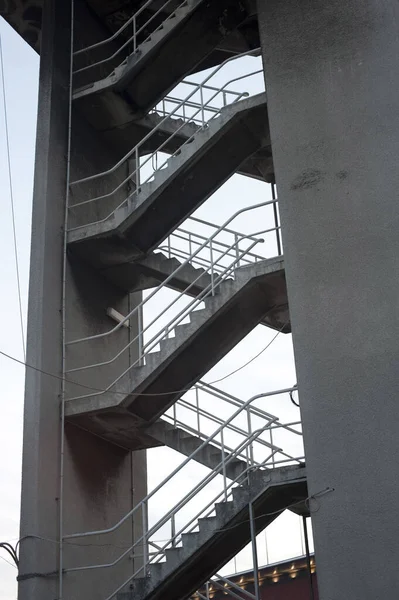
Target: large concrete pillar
331	69
101	482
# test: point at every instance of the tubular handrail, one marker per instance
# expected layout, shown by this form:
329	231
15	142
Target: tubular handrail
192	523
146	137
139	306
135	151
190	238
165	330
136	32
184	463
135	175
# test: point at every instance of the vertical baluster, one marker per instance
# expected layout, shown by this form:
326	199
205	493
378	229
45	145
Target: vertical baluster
173	530
137	159
251	448
141	335
276	222
223	465
271	442
190	248
198	410
202	106
212	267
145	534
237	247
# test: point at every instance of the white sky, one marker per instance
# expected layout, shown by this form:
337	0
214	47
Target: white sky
272	370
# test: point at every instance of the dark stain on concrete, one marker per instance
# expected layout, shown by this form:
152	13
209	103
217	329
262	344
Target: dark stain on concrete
342	174
308	179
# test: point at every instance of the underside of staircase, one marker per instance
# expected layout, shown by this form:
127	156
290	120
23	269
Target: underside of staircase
152	270
208	454
190	177
171	52
257	292
219	538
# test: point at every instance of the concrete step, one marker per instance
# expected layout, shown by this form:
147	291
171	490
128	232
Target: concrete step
221	537
164	59
258	292
100	232
185	442
155	268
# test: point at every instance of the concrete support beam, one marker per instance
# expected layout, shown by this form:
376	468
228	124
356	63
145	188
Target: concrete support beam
332	87
102	481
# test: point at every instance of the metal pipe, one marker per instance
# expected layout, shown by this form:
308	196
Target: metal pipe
305	533
254	550
164	283
276	220
146	137
184	463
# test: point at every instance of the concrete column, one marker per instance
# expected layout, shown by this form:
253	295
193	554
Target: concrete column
102	482
331	69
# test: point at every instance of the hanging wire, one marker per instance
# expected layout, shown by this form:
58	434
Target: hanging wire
12	198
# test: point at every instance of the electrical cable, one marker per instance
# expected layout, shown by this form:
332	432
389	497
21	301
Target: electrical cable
12	199
8	562
292	398
60	378
11	551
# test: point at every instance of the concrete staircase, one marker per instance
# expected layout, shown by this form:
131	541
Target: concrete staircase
186	443
222	536
126	135
170	53
257	293
149	214
150	271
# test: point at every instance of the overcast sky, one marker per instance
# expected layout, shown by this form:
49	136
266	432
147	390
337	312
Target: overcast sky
272	370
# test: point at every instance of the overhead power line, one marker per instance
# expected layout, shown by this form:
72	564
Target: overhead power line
12	198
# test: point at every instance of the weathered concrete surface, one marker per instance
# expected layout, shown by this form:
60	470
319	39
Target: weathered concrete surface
156	268
189	178
332	88
222	536
120	412
98	476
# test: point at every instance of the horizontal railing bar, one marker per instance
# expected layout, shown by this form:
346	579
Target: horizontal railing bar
184	463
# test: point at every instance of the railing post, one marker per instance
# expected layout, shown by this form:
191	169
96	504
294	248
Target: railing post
173	530
212	267
271	443
237	246
254	550
174	415
276	222
202	106
223	465
140	336
251	447
198	412
145	539
137	159
190	248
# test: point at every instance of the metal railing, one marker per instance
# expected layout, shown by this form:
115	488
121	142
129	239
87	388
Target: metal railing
146	168
131	40
190	414
171	311
189	110
176	518
183	242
